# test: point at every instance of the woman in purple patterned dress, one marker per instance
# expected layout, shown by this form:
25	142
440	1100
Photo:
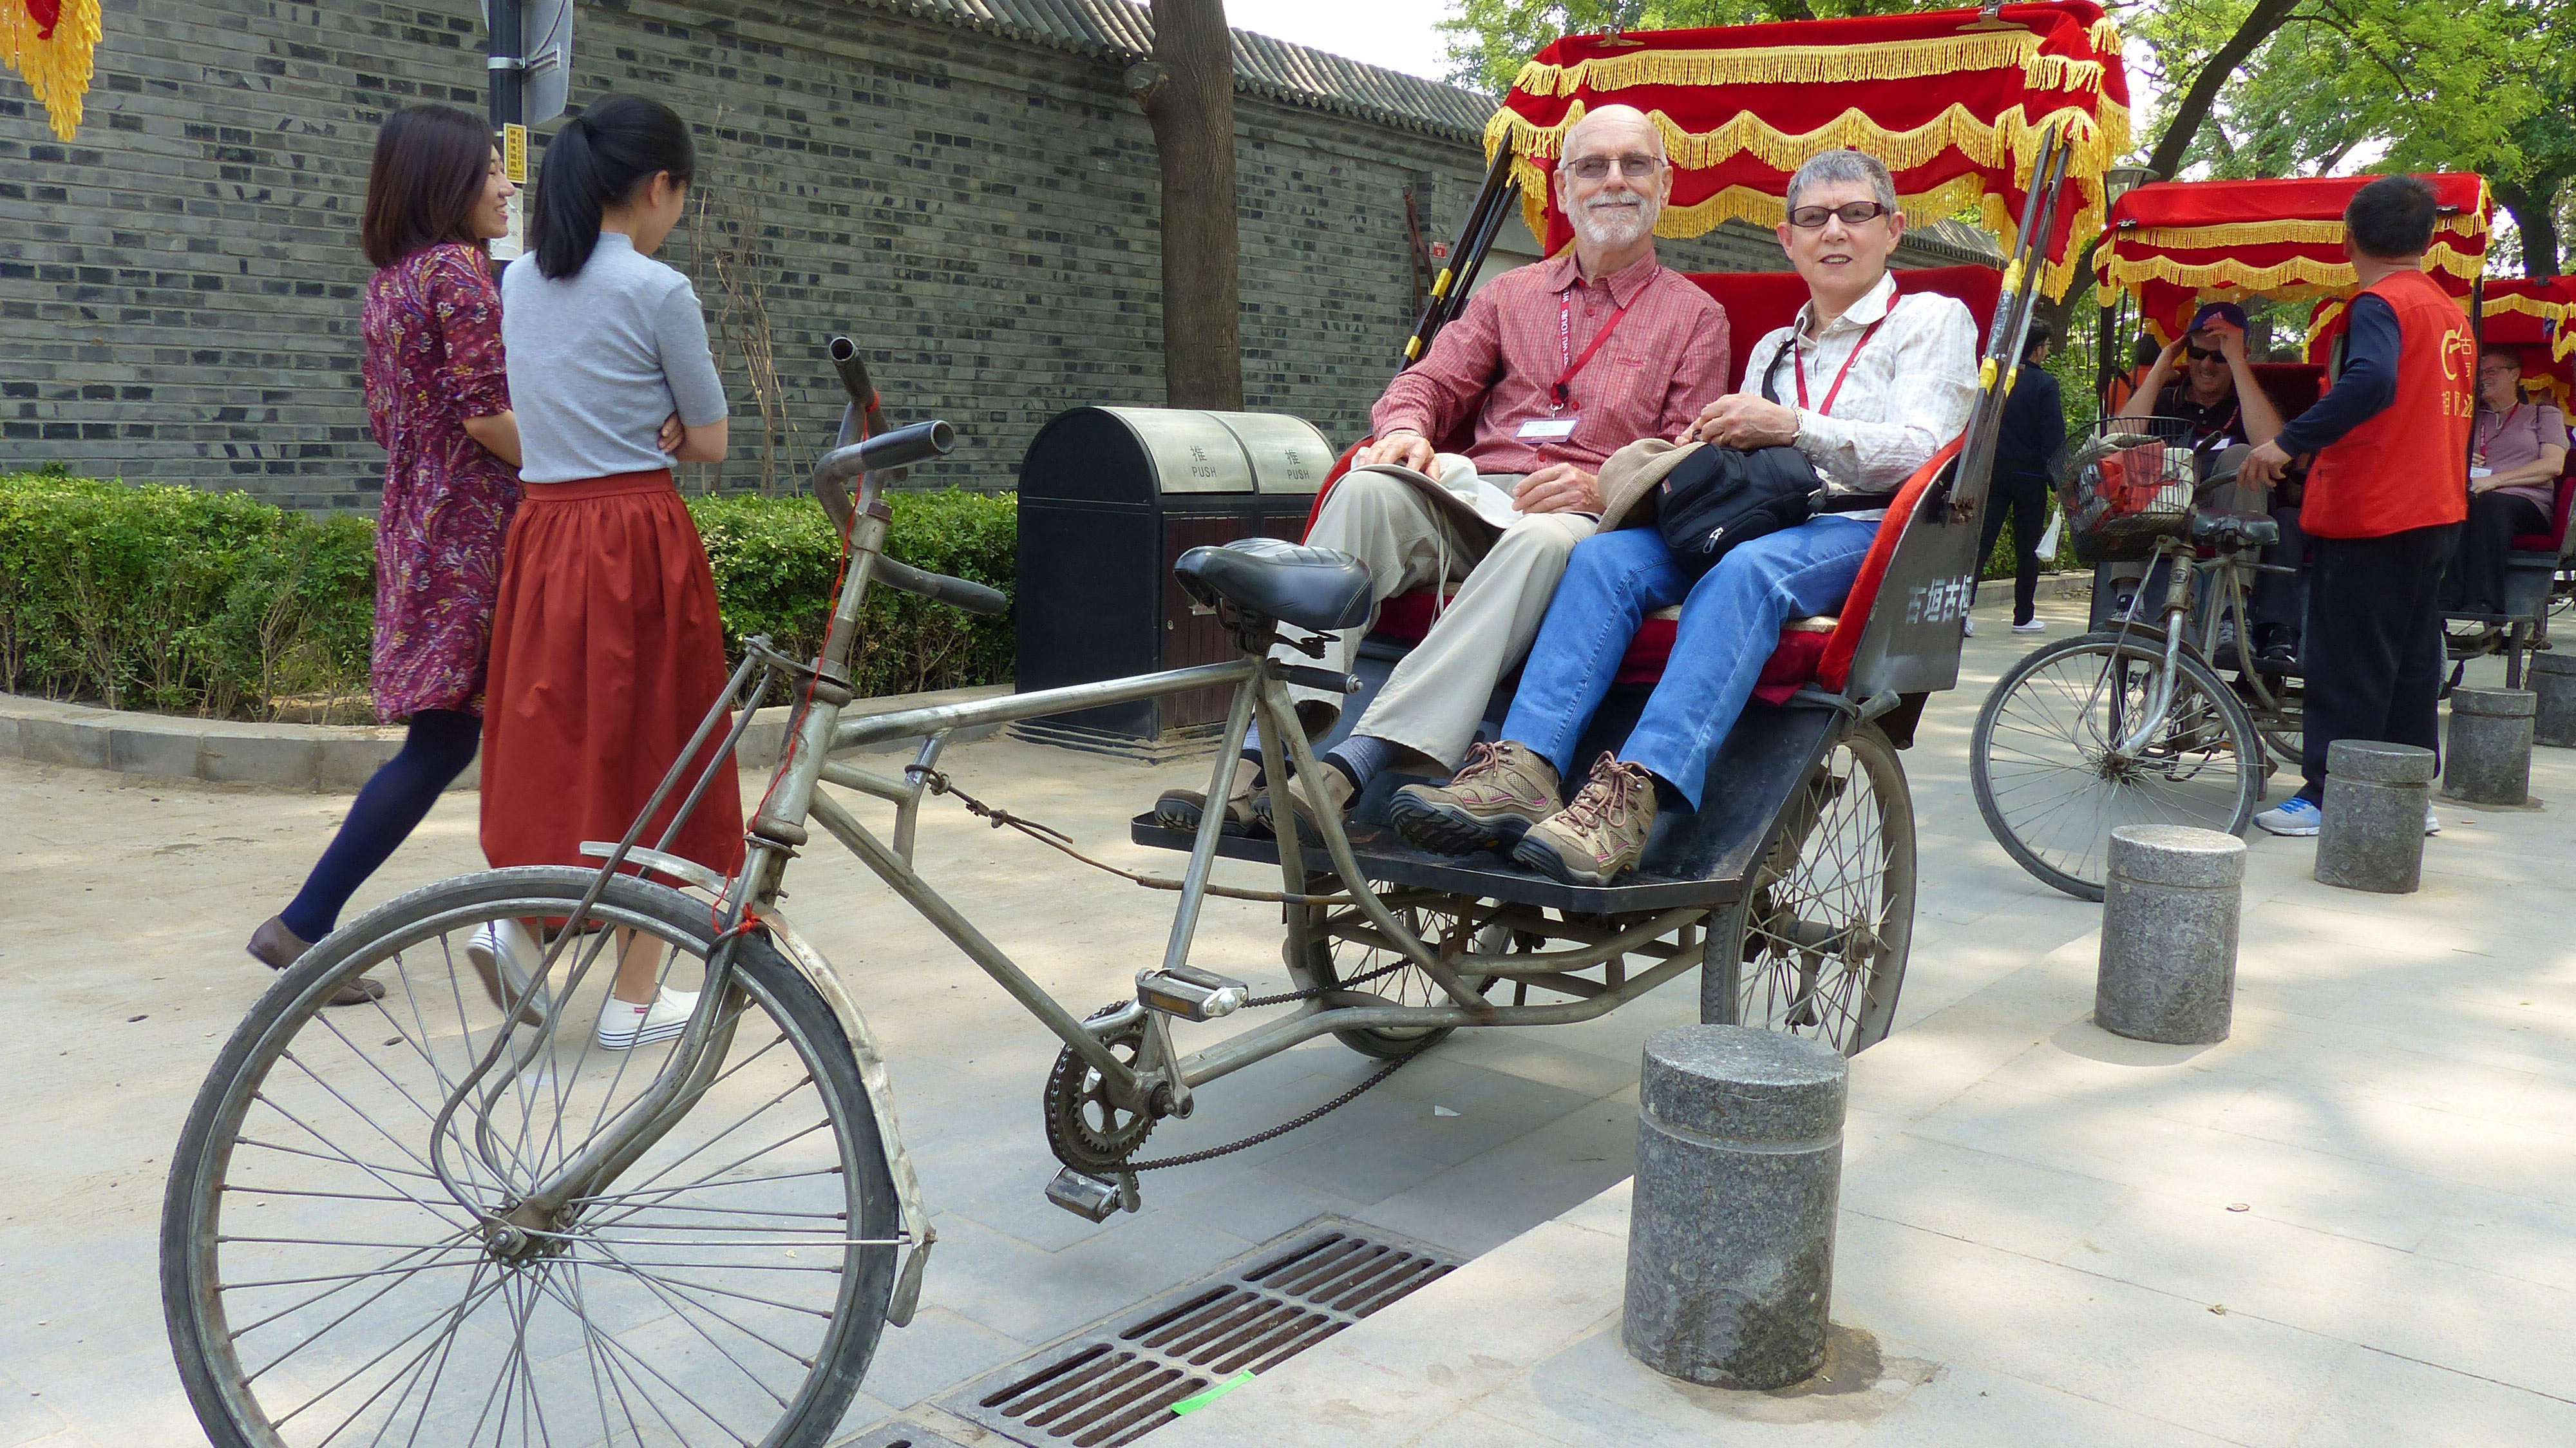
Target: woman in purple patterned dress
438	401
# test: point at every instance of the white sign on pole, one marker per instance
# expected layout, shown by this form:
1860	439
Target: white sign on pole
547	27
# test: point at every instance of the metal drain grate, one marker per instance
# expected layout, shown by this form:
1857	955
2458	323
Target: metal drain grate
1116	1382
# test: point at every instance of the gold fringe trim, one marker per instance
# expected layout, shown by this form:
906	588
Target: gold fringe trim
2011	140
1816	65
2559	312
2106	36
2284	232
2288	280
57	70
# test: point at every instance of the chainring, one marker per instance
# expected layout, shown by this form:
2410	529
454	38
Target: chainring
1086	1130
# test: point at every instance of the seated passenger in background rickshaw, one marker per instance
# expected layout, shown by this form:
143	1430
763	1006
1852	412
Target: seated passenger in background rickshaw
2516	448
1882	383
2219	398
1550	368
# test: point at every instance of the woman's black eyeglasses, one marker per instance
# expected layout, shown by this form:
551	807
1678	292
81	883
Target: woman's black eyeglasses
1593	168
1853	213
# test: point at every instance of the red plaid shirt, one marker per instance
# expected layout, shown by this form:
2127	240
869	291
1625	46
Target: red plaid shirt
1494	366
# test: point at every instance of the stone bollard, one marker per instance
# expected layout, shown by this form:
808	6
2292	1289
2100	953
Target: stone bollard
2486	756
2168	965
2553	679
2372	836
1731	1235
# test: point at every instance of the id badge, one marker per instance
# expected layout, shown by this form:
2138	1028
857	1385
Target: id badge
1547	429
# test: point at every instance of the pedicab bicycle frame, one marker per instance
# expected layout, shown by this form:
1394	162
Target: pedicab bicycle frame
2039	109
2174	735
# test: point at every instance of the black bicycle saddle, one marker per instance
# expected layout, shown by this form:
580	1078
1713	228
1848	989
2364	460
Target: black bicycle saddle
1314	588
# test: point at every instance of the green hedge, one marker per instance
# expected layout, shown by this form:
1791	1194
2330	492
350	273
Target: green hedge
186	601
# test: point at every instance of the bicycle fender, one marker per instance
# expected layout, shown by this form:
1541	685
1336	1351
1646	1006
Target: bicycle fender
818	972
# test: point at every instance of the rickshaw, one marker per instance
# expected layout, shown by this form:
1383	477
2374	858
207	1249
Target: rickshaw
2538	319
445	1216
2156	714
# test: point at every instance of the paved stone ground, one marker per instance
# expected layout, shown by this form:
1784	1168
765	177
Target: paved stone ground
2351	1224
129	899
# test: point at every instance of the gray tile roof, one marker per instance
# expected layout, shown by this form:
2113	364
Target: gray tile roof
1117	29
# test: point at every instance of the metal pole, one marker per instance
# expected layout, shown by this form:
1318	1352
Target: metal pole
506	61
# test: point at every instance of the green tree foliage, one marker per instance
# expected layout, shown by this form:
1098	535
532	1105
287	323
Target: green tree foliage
2383	85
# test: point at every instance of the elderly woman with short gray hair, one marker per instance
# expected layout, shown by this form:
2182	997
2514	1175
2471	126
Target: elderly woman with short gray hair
1866	386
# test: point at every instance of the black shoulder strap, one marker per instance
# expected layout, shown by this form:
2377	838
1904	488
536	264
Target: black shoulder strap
1771	374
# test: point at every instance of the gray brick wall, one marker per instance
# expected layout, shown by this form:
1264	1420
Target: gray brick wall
179	287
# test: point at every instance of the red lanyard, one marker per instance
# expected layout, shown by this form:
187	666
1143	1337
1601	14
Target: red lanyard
1834	391
2501	424
1562	393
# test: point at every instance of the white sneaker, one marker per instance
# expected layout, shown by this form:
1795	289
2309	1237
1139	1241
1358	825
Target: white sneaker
1967	628
2294	816
504	954
623	1024
2030	626
2432	821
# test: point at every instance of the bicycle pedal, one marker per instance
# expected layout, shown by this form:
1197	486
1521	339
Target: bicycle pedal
1089	1197
1190	993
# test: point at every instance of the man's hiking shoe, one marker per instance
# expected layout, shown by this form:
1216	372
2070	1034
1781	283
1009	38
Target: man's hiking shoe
1265	806
1598	837
1496	795
1182	809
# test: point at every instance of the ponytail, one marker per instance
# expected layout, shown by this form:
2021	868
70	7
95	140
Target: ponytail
597	160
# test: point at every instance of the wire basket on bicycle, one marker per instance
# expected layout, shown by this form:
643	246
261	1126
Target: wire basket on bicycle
2126	482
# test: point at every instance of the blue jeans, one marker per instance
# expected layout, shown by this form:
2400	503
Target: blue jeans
1731	620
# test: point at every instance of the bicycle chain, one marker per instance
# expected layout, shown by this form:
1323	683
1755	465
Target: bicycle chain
1130	1168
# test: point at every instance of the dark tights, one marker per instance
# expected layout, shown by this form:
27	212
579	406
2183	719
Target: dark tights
396	799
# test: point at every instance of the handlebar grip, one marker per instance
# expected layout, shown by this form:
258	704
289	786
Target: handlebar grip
854	373
886	450
940	588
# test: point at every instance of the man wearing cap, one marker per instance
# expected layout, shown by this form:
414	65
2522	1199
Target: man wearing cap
2216	393
1548	371
2386	496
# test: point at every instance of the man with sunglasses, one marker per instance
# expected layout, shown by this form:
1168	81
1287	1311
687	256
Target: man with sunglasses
2217	395
1547	371
1866	385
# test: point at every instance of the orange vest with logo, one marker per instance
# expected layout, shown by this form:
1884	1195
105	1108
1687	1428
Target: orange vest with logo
2407	467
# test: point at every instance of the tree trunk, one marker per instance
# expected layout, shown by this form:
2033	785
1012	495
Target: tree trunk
2193	109
1187	93
2533	217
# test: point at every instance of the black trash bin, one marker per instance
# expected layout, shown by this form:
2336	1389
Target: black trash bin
1109	497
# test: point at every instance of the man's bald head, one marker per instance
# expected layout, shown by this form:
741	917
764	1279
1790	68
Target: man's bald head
1616	129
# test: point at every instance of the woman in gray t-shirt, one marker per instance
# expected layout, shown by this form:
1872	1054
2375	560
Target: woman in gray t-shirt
606	646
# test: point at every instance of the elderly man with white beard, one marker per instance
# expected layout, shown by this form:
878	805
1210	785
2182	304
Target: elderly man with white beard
1552	367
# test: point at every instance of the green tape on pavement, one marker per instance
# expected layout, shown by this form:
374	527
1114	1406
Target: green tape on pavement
1198	1400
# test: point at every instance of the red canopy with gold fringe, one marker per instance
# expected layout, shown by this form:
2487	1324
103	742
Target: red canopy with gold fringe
49	42
1954	104
2539	317
2176	244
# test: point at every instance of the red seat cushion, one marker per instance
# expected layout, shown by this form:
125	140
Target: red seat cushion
2551	541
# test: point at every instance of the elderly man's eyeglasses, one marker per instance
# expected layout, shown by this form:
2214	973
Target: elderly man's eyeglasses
1853	213
2499	369
1593	168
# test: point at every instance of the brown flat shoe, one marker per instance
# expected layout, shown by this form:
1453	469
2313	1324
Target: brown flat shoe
275	946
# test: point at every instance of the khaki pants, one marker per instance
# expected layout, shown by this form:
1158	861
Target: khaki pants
1437	695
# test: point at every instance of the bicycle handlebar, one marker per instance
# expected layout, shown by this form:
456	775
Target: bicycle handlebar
899	448
940	588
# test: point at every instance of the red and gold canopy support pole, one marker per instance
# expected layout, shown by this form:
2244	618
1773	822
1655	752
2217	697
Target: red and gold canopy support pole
1475	239
2011	325
50	43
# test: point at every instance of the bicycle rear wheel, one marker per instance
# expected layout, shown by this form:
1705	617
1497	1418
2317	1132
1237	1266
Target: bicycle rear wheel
2049	784
1818	946
727	1285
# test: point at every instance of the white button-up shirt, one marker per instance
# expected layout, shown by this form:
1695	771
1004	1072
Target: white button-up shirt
1907	395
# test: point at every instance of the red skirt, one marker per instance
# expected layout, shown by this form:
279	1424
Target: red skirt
606	652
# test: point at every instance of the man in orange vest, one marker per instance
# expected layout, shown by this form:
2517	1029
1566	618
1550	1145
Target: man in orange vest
2385	497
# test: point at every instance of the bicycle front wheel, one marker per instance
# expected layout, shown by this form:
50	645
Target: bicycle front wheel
726	1284
2051	784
